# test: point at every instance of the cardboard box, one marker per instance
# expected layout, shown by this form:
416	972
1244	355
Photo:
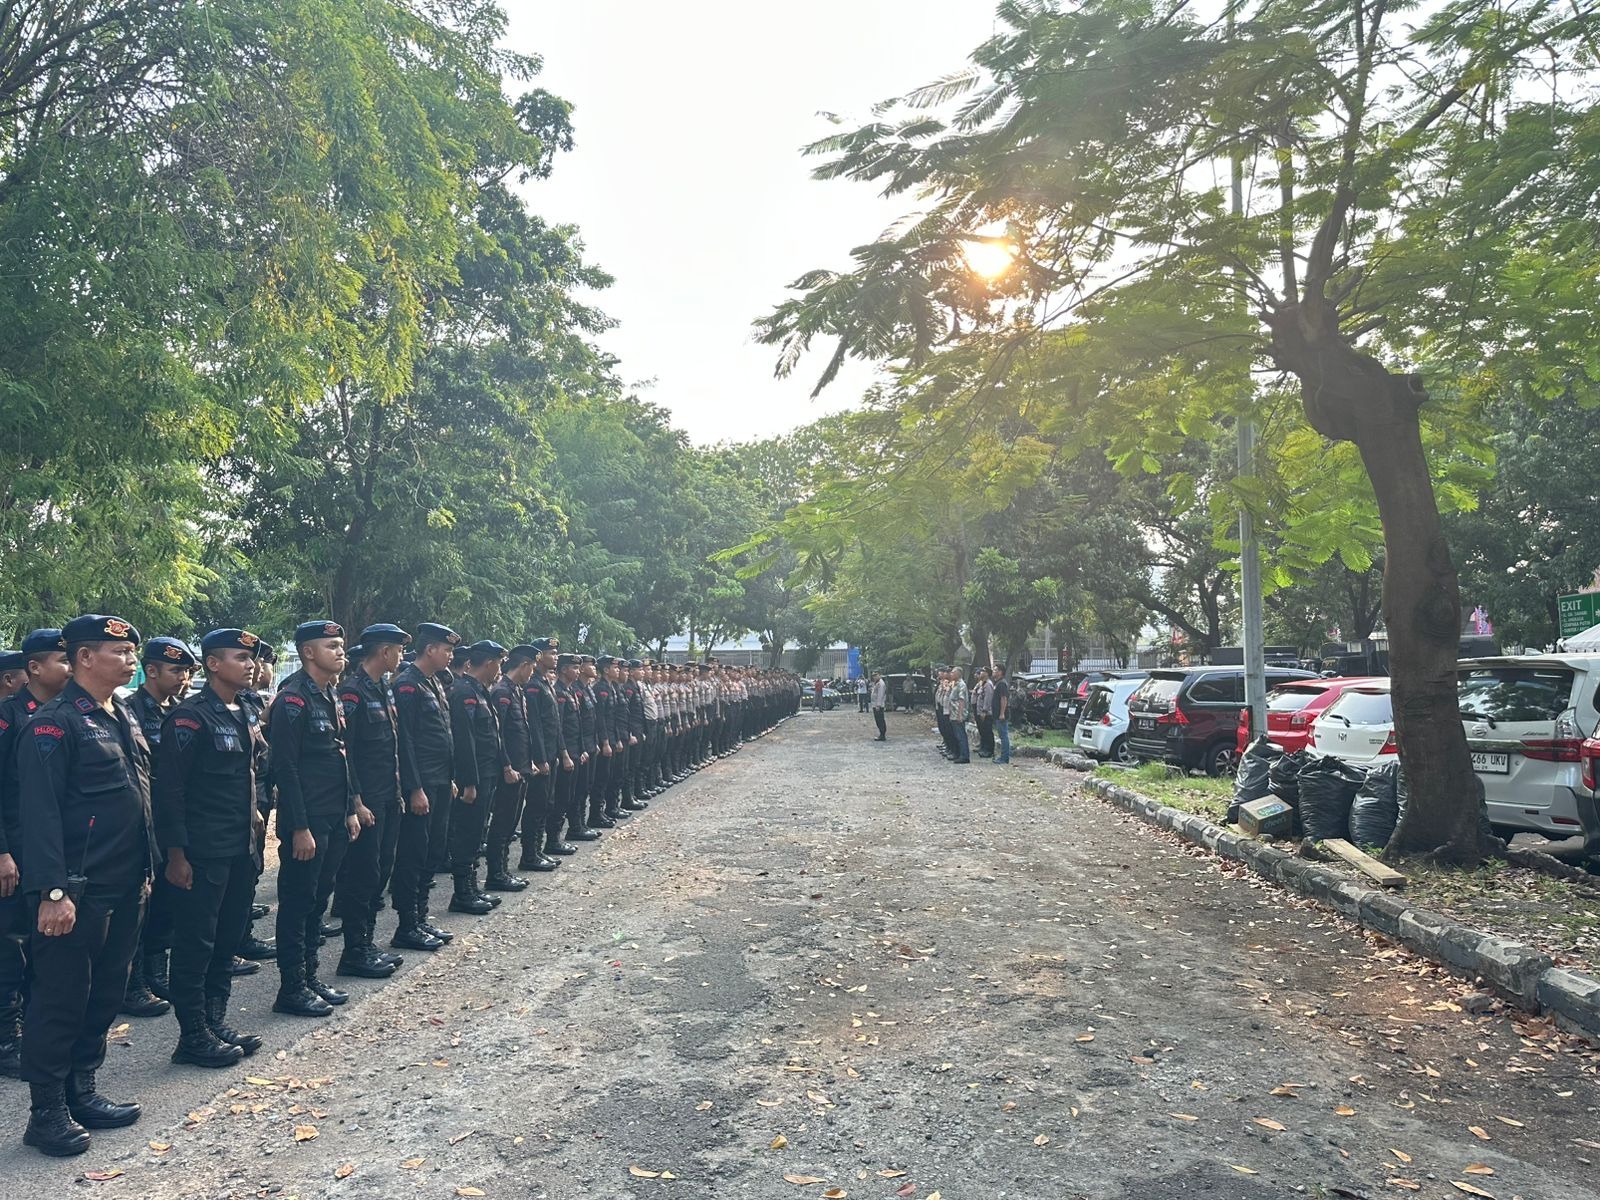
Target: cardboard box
1267	817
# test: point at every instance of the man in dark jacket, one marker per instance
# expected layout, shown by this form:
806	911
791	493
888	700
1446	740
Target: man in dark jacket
542	818
520	742
427	765
317	812
568	804
83	782
608	760
481	767
205	816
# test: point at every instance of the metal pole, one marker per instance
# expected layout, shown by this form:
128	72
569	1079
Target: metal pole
1255	667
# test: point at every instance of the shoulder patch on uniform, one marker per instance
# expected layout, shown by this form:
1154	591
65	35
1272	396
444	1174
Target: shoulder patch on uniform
297	701
46	738
293	706
84	704
4	724
184	732
406	689
186	722
469	700
503	701
350	697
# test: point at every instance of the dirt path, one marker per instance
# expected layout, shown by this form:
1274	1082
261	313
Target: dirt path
910	977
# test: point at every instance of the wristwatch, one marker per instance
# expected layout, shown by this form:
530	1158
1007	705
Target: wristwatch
55	895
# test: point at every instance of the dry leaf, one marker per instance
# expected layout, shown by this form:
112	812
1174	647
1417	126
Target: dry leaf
769	1103
344	1171
1477	1132
1410	1185
1286	1090
1344	1110
257	1081
1041	1140
1009	1106
1269	1123
640	1173
804	1179
907	1189
102	1176
703	1106
1470	1190
890	1174
305	1133
1401	1155
817	1098
834	1194
161	1147
935	1196
1242	1170
1086	1037
1508	1121
411	1164
469	1191
668	1175
1183	1116
779	1142
1478	1169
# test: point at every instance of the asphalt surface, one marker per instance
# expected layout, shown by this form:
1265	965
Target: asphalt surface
880	975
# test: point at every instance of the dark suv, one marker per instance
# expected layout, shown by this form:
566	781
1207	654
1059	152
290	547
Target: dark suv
1190	716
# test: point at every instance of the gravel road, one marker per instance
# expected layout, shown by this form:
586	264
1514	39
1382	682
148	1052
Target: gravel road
853	965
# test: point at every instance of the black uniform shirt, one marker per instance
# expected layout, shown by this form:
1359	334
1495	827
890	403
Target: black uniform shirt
511	707
15	713
83	779
150	713
305	728
427	746
571	726
633	708
544	720
371	732
588	727
479	755
605	711
205	782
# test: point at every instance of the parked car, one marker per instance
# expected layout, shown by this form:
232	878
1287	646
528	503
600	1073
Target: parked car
1358	727
1103	729
1190	715
1037	695
1292	707
829	699
908	691
1526	721
1073	693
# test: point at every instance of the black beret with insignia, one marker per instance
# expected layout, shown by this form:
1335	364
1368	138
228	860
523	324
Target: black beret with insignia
97	627
168	650
42	641
518	655
384	635
312	631
484	651
231	639
428	633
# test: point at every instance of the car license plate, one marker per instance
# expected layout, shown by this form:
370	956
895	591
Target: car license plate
1063	704
1491	764
1145	724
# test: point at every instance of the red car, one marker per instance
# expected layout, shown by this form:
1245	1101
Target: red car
1291	707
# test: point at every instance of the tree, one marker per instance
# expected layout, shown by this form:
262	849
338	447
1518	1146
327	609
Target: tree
1101	139
1009	605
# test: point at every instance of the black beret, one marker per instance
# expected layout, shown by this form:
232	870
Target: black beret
231	639
635	663
586	659
604	661
569	660
543	644
354	654
521	654
311	631
168	650
458	655
13	660
384	635
266	651
42	641
429	633
97	627
482	652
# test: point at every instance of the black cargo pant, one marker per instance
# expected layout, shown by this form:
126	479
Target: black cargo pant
303	890
439	832
467	825
369	862
79	980
508	801
408	885
566	785
13	963
536	814
208	920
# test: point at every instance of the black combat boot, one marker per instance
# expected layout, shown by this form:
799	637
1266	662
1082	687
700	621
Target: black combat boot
243	966
554	844
466	898
92	1110
257	911
500	877
329	993
254	948
138	1000
597	816
155	973
217	1020
294	997
11	1037
51	1129
427	926
356	959
376	951
199	1045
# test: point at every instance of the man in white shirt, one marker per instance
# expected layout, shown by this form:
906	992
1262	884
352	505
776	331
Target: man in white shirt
880	701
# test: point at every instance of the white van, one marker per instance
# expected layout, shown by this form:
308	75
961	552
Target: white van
1103	726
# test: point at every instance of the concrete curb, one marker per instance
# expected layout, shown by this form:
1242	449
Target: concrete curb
1527	977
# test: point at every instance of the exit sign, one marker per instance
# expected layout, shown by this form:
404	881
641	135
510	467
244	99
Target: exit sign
1578	612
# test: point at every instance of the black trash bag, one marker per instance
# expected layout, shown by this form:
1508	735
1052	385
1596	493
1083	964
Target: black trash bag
1328	786
1250	782
1283	776
1402	793
1376	809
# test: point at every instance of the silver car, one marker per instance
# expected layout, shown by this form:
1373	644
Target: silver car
1526	720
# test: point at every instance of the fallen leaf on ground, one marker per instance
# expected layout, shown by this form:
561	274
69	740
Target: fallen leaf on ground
779	1142
1269	1123
1344	1110
469	1191
890	1174
305	1133
1410	1185
1086	1037
935	1196
102	1176
1401	1155
344	1170
1184	1116
411	1164
1477	1132
640	1173
834	1194
1470	1190
1508	1121
257	1081
804	1179
907	1189
1286	1090
1041	1140
703	1106
817	1098
769	1103
1242	1170
1478	1169
460	1137
161	1147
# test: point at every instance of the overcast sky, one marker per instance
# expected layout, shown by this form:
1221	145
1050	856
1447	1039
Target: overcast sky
689	186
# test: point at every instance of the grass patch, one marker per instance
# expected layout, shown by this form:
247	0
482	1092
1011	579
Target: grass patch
1048	738
1198	794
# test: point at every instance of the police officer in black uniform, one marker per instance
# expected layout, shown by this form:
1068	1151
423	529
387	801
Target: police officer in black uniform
481	767
44	665
607	757
427	764
372	741
205	818
589	739
518	740
639	749
317	812
83	778
256	697
541	820
168	665
13	673
568	805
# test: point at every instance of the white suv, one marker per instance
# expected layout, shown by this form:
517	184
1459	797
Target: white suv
1103	728
1526	721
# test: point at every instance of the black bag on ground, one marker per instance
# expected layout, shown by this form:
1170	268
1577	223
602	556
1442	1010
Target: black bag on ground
1376	809
1284	777
1402	793
1328	786
1250	782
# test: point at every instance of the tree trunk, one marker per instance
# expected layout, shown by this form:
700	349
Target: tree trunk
1350	396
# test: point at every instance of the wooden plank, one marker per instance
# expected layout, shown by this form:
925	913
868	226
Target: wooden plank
1379	873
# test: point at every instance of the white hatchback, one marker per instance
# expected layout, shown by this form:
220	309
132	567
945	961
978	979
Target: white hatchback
1358	727
1103	727
1526	720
